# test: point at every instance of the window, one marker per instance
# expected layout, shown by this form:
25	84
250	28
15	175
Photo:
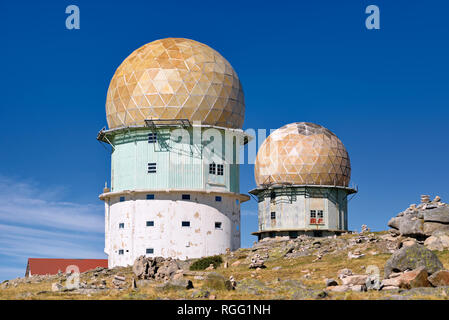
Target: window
273	195
185	224
220	169
273	215
149	251
212	168
237	201
186	197
150	223
272	234
217	225
152	167
313	217
150	196
320	216
122	199
152	137
121	225
121	251
218	198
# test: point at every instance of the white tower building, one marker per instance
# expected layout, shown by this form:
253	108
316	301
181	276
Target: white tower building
175	110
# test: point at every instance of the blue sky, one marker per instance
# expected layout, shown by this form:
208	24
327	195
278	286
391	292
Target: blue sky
385	93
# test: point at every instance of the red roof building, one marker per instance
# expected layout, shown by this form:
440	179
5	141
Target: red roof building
38	266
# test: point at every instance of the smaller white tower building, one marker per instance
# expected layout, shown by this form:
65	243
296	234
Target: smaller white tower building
302	172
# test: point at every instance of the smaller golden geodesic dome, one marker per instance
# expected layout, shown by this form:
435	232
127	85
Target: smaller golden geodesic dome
302	154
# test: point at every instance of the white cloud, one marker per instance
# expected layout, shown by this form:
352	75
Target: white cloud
26	204
33	223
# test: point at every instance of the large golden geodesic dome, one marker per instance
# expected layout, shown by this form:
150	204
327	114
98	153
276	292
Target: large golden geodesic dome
302	154
175	78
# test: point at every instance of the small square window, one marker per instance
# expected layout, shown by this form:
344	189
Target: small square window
218	198
186	197
121	225
312	213
217	225
185	224
220	169
152	167
320	214
273	215
150	223
212	168
152	137
149	251
150	196
121	251
122	199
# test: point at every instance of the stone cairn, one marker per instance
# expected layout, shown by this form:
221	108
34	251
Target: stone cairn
257	262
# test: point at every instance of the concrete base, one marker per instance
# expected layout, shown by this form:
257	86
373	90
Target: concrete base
177	228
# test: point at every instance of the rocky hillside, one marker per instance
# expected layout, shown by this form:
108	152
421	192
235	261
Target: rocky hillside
395	264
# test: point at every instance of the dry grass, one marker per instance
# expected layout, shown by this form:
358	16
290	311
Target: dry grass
290	269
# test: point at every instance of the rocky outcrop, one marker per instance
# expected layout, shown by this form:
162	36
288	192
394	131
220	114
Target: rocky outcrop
216	281
412	257
438	242
417	278
440	278
157	268
424	220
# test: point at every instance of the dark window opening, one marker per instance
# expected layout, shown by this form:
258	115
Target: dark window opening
272	235
150	196
185	224
186	197
149	251
273	215
122	199
212	168
150	223
152	137
218	198
121	226
217	225
121	251
220	169
152	167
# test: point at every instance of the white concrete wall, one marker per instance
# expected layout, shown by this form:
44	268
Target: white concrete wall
167	237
